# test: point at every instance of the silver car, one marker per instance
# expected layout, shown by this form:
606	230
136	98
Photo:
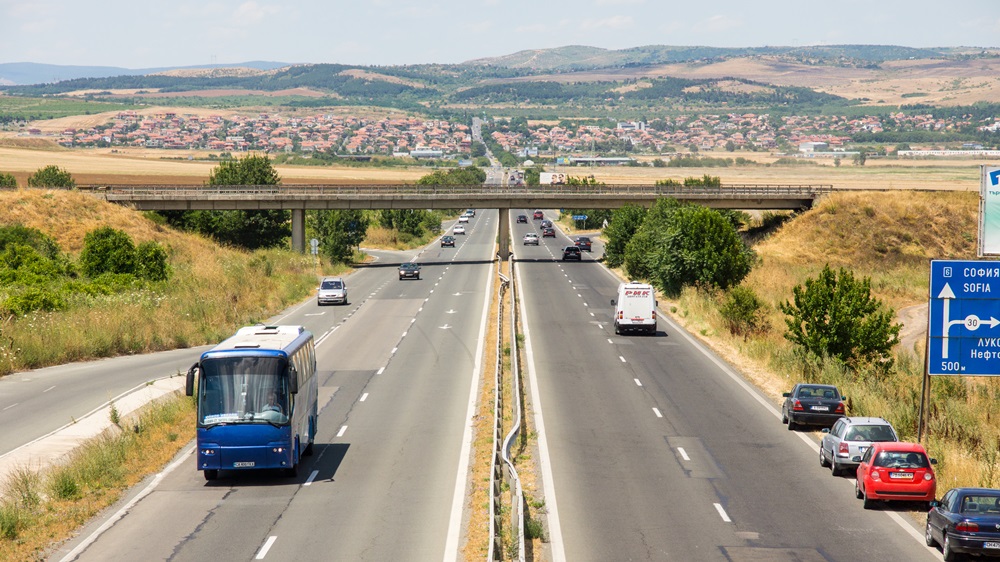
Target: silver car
849	438
332	290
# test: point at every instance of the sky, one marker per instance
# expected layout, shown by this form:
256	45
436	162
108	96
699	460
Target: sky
156	33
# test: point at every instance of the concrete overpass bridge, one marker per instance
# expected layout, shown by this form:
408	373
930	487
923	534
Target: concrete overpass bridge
300	198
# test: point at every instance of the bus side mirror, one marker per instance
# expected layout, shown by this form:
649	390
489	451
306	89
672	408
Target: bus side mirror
293	380
189	383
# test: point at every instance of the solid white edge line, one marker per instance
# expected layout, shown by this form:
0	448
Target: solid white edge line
267	546
451	546
127	507
558	549
722	513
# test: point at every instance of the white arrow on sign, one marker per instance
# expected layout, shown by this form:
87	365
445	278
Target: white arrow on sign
971	322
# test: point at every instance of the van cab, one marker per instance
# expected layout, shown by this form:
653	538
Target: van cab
635	308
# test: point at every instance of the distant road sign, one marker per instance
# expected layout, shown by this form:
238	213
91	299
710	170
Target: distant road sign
579	217
964	307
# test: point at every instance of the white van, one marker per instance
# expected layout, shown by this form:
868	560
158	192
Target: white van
635	308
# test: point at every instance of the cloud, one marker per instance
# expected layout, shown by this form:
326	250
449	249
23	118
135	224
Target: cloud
252	13
614	22
717	24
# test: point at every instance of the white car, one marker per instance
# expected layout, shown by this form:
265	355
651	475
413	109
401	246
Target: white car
459	229
531	239
463	218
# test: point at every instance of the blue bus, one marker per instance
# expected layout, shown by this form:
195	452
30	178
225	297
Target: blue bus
257	400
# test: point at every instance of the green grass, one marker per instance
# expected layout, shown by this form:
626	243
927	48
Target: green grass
23	108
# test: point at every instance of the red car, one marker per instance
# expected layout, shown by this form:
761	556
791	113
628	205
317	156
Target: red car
895	471
538	215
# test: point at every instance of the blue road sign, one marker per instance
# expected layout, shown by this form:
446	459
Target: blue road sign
994	177
579	217
963	337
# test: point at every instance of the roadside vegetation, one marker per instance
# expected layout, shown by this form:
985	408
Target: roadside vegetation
820	305
42	508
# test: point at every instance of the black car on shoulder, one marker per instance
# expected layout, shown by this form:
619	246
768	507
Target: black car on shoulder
965	521
572	253
409	270
812	404
522	218
447	241
583	243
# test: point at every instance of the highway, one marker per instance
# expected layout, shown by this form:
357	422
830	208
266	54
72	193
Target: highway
658	452
652	449
398	367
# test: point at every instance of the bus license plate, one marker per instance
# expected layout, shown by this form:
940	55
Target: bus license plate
246	464
991	545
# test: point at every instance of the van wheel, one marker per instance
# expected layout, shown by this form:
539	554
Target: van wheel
618	331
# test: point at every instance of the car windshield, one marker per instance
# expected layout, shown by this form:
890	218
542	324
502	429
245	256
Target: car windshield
408	266
332	285
981	504
243	390
816	392
870	433
901	459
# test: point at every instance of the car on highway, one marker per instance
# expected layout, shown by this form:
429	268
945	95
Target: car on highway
582	242
332	290
812	404
448	241
522	218
548	233
409	270
965	521
463	218
895	471
470	212
546	223
538	215
530	239
459	229
850	437
572	253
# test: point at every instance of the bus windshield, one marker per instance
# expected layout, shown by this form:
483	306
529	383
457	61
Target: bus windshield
243	390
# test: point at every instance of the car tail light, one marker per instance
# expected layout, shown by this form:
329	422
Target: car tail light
797	406
967	527
876	475
844	448
928	476
840	408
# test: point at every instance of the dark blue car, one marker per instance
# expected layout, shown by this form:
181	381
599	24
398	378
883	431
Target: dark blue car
965	521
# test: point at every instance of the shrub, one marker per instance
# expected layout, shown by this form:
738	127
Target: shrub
743	312
7	180
151	262
107	250
31	299
51	176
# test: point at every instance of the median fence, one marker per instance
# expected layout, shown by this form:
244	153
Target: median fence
506	496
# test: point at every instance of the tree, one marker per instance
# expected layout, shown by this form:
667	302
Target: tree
730	146
835	315
860	158
51	176
340	231
245	229
702	248
624	223
7	180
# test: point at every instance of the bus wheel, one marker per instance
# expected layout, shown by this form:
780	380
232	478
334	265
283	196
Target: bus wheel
292	472
211	474
308	451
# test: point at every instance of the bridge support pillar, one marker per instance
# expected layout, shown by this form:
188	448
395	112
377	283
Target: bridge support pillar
504	234
299	230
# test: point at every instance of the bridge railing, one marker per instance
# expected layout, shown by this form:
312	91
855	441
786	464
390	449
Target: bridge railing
323	190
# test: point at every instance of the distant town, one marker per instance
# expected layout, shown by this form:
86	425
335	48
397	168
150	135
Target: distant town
359	137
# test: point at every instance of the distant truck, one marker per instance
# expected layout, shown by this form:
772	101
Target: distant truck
635	308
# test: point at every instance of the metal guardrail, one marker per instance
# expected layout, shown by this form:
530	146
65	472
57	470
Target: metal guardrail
503	471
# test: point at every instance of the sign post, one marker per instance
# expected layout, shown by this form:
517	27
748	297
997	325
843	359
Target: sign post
989	212
962	318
